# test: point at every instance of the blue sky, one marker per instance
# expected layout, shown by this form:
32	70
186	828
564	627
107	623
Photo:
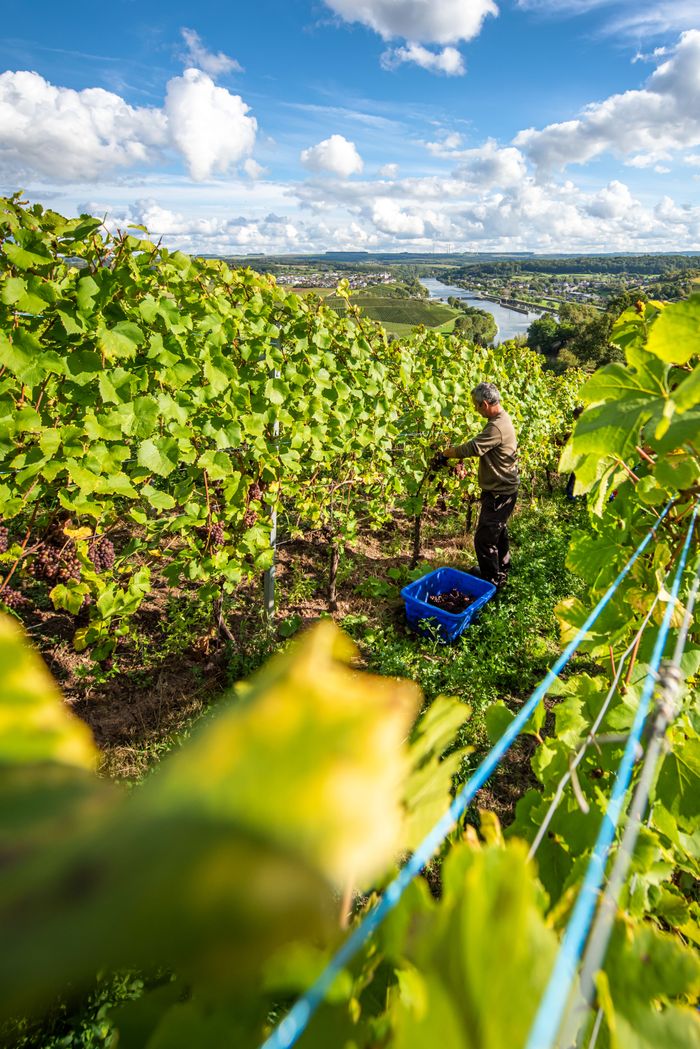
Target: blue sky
306	125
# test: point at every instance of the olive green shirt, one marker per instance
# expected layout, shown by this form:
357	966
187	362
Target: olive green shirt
497	449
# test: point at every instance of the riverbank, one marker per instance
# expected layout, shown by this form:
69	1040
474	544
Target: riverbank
512	320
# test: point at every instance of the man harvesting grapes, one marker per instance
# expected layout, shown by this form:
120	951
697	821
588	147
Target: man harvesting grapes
496	448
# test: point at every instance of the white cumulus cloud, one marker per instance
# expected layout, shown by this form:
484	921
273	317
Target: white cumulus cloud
423	21
388	217
612	201
84	136
448	61
545	216
491	165
213	234
208	125
253	169
335	155
663	116
67	134
645	160
213	64
447	145
525	215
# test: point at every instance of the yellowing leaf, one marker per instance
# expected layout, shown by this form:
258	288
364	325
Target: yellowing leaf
490	827
78	533
35	725
428	789
331	744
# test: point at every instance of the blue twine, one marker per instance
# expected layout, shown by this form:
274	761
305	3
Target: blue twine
294	1024
553	1003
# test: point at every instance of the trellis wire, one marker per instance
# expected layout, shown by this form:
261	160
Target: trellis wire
671	680
544	1029
290	1029
561	786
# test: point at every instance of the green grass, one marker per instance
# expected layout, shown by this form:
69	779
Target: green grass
391	306
406	313
322	293
399	329
510	647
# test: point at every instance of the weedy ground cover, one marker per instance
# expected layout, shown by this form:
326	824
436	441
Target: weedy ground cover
146	702
501	656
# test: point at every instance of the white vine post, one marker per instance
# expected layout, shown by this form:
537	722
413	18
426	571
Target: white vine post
269	576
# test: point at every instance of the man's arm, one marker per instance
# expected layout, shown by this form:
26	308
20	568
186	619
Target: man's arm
490	437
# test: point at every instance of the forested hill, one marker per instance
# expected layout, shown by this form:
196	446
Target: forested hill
621	264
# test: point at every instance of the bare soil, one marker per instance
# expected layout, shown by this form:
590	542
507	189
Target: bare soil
139	701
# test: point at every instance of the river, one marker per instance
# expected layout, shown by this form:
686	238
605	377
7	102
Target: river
510	322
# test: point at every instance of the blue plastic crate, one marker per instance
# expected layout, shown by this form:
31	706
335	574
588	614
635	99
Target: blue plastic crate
426	619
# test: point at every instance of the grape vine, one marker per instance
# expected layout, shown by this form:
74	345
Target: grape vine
182	402
157	402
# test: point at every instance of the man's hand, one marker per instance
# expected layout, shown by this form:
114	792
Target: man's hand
438	461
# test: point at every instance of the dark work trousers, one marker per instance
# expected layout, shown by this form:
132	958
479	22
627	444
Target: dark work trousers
491	542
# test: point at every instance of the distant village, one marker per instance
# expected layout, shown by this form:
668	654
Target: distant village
326	279
548	291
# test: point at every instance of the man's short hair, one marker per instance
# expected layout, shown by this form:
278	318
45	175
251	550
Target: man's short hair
486	391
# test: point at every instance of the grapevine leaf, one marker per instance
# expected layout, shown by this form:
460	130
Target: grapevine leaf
72	323
217	464
23	259
146	416
571	726
157	499
678	783
83	364
68	597
22	355
374	711
122	340
116	483
687	394
650	492
87	290
629	330
675	334
428	787
161	456
677	472
625	399
223	873
12	290
572	614
276	391
594	557
497	718
489	911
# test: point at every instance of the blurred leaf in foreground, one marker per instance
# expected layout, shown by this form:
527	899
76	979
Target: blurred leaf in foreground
225	854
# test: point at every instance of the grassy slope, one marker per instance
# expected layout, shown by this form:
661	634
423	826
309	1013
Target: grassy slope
401	316
389	305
